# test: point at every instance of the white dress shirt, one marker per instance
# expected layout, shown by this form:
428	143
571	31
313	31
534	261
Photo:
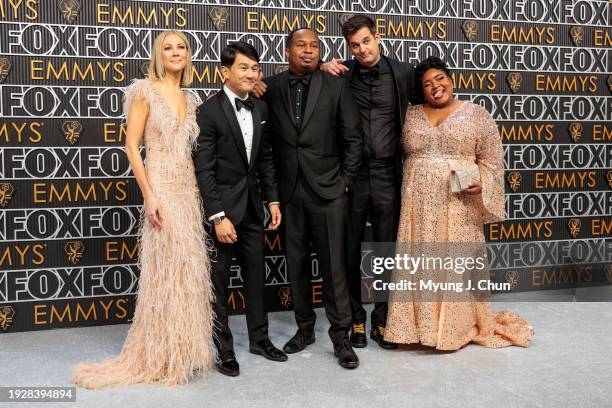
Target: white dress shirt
245	120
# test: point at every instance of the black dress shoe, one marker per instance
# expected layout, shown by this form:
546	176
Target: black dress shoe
377	334
358	337
299	342
346	356
267	349
227	364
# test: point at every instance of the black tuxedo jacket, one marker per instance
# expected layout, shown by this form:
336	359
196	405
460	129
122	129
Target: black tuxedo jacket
328	145
225	178
403	80
405	94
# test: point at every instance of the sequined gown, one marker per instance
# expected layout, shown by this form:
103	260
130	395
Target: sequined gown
171	334
430	212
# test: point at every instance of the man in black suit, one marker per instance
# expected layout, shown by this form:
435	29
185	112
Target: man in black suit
233	152
317	147
383	89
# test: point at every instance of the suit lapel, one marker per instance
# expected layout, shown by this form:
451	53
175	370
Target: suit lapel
230	114
286	99
313	95
256	134
395	72
352	65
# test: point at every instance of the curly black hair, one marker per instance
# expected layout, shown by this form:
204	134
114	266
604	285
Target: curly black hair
422	67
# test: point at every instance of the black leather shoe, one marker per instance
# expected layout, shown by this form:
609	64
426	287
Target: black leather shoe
267	349
377	334
358	337
346	356
227	364
299	342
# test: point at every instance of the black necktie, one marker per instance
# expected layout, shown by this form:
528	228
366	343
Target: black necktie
295	79
371	73
246	104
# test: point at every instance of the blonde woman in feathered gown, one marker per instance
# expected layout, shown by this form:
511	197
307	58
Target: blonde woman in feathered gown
171	334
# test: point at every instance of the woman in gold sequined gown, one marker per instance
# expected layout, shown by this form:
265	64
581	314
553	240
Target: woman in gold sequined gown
171	334
442	134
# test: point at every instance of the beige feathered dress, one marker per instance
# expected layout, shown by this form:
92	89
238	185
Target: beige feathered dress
171	333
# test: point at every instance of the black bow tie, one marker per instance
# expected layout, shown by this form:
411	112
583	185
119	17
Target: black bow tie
295	79
247	104
371	73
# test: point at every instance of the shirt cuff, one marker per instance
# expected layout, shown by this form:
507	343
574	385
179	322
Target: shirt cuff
217	215
274	202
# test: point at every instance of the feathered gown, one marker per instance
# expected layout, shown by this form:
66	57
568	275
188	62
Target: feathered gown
171	333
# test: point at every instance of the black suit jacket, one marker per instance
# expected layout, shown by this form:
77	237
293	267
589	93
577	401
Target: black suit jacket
403	80
225	178
405	94
328	145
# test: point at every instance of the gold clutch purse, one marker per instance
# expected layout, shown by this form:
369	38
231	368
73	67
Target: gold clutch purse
461	177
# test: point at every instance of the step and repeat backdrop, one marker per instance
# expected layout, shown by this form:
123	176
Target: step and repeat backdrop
69	205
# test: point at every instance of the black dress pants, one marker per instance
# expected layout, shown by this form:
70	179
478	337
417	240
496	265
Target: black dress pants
375	196
249	251
312	218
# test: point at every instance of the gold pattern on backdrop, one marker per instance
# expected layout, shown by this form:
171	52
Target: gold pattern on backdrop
514	180
574	225
7	316
218	16
577	35
575	131
70	9
6	193
5	68
514	80
285	297
72	130
512	277
74	250
470	29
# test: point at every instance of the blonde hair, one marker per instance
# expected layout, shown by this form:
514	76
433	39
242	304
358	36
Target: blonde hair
156	65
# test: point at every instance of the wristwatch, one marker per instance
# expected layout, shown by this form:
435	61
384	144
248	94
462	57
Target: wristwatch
218	220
